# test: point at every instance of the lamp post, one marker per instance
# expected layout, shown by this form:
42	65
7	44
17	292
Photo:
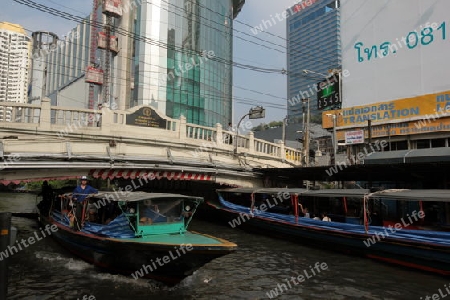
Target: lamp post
257	112
334	137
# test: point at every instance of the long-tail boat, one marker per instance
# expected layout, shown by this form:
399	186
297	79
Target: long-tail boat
403	227
139	234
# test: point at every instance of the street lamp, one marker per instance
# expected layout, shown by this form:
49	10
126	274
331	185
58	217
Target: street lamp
257	112
334	136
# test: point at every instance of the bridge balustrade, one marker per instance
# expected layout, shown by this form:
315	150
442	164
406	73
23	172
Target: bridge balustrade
65	121
198	132
76	117
19	112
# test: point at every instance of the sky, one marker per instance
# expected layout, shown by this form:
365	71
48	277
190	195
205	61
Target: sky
245	52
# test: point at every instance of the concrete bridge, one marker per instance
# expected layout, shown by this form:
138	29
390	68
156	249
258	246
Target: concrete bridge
47	142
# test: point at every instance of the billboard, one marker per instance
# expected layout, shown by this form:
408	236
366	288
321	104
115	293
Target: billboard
432	106
394	49
418	115
328	93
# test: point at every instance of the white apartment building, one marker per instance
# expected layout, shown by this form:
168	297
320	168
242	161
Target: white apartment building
15	53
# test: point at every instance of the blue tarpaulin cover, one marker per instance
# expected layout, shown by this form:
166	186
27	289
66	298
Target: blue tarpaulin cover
426	236
117	228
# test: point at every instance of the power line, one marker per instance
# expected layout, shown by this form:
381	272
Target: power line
241	65
138	37
252	36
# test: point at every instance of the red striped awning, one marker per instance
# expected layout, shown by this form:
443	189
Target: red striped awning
132	174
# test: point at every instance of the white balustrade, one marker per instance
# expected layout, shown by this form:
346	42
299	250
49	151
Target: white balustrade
52	118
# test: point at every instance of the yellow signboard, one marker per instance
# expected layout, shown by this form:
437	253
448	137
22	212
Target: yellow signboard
422	107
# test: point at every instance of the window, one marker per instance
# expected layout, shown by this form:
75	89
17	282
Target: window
423	144
437	143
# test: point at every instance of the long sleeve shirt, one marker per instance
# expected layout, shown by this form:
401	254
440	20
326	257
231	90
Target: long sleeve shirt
80	194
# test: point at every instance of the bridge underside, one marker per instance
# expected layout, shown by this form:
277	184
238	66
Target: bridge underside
40	170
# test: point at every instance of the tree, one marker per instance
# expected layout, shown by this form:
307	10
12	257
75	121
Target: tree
264	126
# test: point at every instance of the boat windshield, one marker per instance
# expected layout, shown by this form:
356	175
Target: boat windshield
160	211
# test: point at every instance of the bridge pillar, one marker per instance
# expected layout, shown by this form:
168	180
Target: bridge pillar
251	142
45	117
106	119
282	153
219	135
182	134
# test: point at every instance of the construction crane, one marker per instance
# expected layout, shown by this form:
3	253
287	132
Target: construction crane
92	72
95	74
111	9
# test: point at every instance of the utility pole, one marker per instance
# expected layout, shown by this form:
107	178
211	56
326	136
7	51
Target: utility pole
284	131
334	139
306	132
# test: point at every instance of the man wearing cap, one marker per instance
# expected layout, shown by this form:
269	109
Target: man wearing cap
79	194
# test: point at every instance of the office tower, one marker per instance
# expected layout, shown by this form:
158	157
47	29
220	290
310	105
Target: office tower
313	48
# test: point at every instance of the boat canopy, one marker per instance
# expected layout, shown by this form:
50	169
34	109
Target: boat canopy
336	193
139	196
390	194
414	195
263	190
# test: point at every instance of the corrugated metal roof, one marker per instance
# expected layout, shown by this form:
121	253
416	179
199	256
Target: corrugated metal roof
409	156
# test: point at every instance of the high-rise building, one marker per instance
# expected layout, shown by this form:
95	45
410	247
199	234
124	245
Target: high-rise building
173	55
313	48
15	50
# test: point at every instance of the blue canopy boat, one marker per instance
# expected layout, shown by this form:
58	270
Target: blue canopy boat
404	227
139	234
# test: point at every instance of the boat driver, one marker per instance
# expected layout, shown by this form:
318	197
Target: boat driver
79	194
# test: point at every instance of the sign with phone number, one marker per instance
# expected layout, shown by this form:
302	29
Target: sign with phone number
328	94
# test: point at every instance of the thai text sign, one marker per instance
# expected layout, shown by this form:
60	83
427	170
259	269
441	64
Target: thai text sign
409	109
392	52
354	137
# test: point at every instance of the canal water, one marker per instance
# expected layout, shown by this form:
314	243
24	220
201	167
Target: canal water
44	270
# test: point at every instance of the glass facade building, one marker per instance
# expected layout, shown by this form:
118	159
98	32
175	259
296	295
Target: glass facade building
174	55
189	71
313	34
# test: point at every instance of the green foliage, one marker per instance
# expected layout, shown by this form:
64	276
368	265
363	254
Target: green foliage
55	184
264	126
